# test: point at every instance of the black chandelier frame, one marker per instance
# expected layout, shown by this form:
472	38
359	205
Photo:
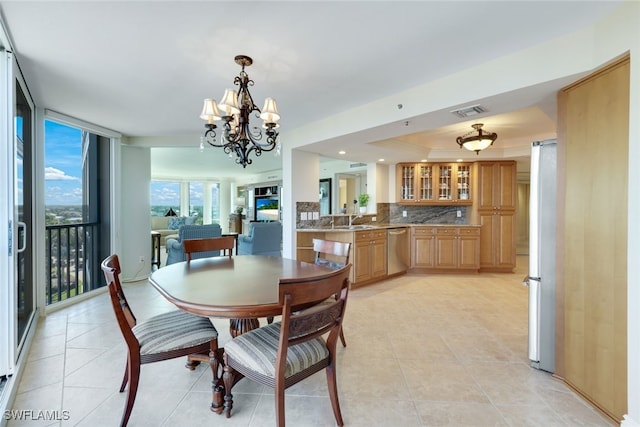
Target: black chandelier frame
238	137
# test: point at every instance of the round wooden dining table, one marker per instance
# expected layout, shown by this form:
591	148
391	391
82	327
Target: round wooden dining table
241	288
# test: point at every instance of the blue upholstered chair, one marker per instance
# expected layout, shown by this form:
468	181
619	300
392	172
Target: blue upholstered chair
175	248
264	238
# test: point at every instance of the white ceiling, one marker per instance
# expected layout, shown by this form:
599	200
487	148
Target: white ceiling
143	68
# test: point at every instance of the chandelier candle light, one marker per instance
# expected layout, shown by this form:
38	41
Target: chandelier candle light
477	142
234	109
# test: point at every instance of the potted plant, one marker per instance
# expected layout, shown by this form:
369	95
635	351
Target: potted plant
363	201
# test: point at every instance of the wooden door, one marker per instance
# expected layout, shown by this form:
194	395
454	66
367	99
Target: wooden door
593	152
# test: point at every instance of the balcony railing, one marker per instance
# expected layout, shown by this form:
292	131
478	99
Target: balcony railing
73	261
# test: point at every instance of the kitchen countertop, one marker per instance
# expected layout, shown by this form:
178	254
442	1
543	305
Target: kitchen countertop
362	227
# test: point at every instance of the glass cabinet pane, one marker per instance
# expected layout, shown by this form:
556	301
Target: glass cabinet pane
426	190
444	190
408	181
464	182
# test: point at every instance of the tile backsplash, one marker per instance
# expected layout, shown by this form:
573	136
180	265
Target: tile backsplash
387	213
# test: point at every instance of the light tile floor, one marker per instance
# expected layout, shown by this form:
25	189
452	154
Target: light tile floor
423	350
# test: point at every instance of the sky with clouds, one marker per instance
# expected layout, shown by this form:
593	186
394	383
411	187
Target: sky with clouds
63	164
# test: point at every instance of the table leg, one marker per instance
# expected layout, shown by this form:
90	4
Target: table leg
241	326
155	249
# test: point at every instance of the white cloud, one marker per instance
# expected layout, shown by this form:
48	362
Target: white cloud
53	174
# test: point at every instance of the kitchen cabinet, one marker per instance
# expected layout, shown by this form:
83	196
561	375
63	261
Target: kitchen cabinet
445	248
422	247
434	183
369	255
495	211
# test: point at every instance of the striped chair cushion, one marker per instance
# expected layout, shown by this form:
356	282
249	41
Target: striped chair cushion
258	349
172	331
333	265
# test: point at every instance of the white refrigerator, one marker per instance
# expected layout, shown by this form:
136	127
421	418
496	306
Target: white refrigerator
542	255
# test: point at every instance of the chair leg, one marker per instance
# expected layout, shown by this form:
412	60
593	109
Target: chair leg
228	378
216	386
344	343
125	377
279	395
134	379
333	392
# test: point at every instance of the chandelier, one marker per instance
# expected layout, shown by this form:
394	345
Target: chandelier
234	110
476	140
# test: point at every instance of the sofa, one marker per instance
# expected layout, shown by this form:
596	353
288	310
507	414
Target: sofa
168	225
264	238
175	248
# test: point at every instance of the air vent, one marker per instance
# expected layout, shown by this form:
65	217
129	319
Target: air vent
272	177
357	165
472	110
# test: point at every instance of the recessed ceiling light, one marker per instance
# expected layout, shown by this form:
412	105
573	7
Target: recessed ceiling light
342	152
459	160
381	160
423	160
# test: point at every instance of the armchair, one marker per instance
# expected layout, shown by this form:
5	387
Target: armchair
264	238
175	248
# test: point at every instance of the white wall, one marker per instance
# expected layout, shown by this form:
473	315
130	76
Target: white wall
301	173
133	240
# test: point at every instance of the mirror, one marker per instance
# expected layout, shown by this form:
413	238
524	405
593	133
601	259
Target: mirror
325	196
348	190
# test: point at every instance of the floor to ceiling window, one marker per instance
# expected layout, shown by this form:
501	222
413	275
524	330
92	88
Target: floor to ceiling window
76	209
17	285
196	199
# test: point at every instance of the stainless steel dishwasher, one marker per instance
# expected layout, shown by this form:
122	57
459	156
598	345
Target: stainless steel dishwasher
397	250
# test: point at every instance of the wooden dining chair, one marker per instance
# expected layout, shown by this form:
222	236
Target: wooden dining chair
223	244
333	255
284	353
164	336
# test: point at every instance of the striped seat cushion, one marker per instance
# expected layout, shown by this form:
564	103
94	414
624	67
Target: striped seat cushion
258	349
172	331
333	265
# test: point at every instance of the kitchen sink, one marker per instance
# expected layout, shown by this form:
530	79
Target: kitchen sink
356	227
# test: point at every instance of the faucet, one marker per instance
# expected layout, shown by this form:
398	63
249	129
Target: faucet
352	217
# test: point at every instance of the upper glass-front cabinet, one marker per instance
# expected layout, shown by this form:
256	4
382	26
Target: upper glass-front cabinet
434	183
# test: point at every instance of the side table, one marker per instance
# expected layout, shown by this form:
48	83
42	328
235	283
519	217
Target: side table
235	236
155	249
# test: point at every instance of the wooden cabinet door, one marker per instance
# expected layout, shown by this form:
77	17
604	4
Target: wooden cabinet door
497	240
505	239
468	254
362	261
422	250
378	254
487	239
425	182
469	248
505	174
406	181
484	188
446	248
496	185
